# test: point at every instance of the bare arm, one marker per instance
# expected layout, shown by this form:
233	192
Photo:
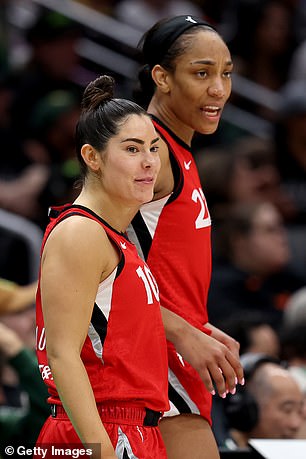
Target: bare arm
14	297
70	278
204	353
207	354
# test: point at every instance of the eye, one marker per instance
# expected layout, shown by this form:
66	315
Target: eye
154	149
228	74
132	149
202	73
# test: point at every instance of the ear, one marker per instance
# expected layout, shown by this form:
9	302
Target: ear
161	78
91	157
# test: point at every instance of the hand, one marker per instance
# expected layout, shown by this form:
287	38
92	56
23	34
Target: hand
224	338
217	363
10	343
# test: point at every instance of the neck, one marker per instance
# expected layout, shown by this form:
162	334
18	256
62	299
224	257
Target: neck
158	108
117	215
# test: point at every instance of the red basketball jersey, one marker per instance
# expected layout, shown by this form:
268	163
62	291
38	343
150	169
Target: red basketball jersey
125	350
173	235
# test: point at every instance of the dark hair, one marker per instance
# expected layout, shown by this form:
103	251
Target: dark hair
162	44
101	116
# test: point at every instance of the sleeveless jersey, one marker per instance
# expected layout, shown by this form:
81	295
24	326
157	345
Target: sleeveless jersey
173	236
125	350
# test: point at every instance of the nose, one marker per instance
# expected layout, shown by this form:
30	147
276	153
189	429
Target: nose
149	159
216	90
294	422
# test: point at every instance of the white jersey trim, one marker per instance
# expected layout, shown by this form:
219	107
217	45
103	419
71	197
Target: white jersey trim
175	383
103	301
151	211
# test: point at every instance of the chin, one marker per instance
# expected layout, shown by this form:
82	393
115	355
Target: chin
146	198
209	129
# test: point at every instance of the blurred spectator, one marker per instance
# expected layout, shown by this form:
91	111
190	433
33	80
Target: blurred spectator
20	244
20	181
262	46
142	14
290	140
54	64
252	333
244	172
51	142
290	144
252	268
50	152
20	425
14	297
22	323
295	312
293	352
270	405
26	173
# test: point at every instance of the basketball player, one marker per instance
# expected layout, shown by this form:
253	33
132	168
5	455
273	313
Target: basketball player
186	81
101	344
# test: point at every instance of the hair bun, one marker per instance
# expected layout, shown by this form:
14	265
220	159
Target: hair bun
98	92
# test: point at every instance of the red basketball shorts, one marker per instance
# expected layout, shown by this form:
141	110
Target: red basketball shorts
133	431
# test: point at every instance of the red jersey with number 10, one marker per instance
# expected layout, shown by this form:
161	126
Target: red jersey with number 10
125	350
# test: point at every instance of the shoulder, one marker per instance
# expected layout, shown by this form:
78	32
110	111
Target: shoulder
76	237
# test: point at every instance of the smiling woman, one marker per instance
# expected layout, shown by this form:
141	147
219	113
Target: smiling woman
102	335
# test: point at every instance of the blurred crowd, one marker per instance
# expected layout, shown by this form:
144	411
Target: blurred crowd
255	186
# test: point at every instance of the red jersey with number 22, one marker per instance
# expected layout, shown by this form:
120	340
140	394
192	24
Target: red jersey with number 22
179	252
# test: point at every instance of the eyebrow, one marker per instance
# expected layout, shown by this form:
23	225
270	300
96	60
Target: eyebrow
141	142
210	62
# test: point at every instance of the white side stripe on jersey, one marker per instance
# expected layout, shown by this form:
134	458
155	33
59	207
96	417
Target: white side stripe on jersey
103	302
175	383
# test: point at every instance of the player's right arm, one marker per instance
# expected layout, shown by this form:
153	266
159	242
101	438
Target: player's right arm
72	269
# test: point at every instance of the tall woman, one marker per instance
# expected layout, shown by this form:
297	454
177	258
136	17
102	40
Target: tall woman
186	81
100	339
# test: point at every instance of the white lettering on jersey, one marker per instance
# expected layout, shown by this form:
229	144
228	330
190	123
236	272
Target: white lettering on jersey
203	220
40	339
45	371
149	282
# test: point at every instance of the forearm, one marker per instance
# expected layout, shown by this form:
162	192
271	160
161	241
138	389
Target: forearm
71	380
174	325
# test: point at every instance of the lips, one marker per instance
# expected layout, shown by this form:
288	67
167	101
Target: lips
146	180
211	110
